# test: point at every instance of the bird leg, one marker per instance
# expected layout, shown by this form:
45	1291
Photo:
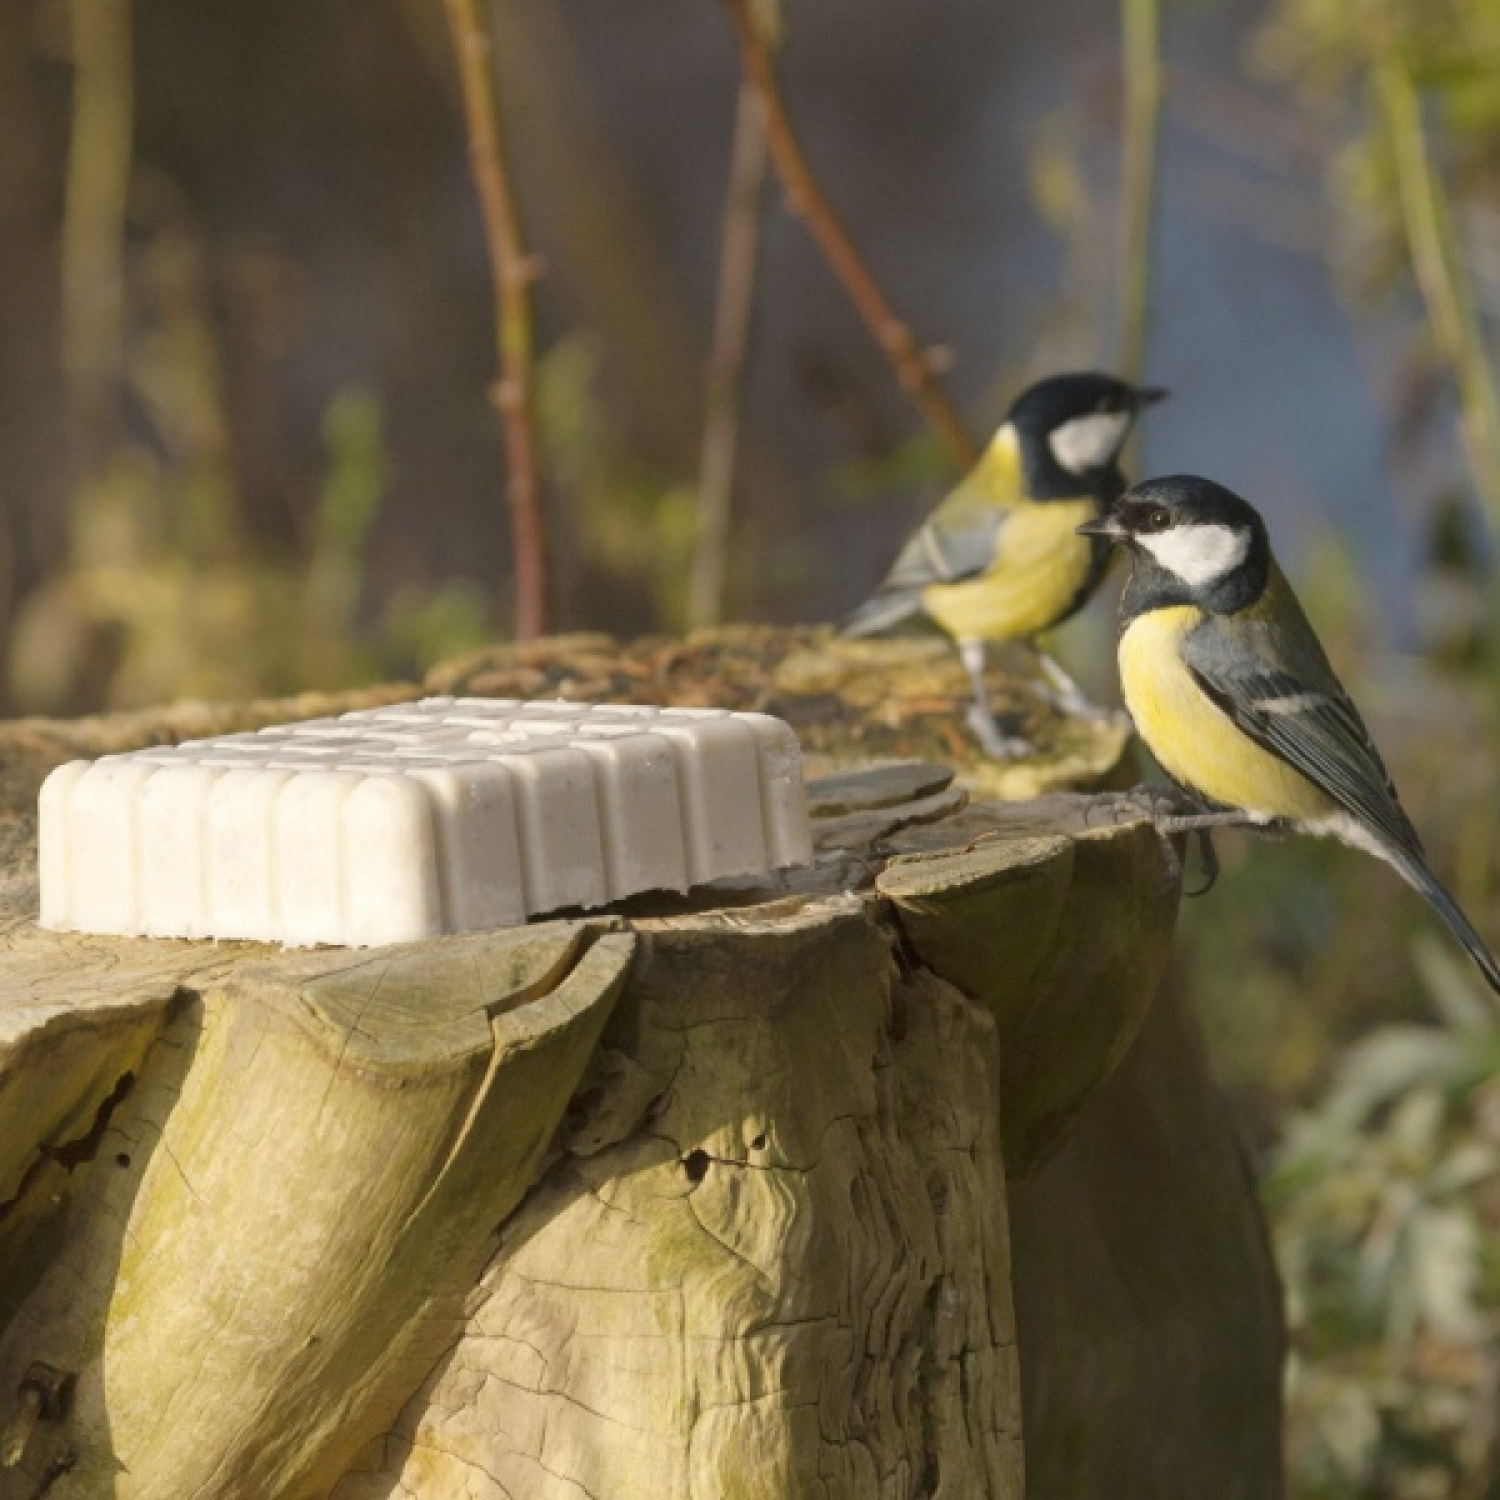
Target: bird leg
1201	826
1202	821
1171	811
1061	691
1150	800
981	719
1064	695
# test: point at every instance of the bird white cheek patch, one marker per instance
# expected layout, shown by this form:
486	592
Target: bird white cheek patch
1089	442
1198	554
396	823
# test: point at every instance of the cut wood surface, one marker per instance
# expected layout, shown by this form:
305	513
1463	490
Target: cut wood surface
739	1194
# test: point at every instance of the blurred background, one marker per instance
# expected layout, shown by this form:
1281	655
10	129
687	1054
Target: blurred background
247	445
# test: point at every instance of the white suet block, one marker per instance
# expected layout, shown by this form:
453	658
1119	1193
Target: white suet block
390	824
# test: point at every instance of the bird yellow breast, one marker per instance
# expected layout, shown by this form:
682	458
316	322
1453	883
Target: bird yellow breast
1196	742
1040	565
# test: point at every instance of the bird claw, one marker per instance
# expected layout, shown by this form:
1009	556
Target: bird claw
996	745
1176	865
1208	857
1169	802
1156	802
1170	811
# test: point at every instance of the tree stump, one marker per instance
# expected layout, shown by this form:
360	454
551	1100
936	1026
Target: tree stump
736	1195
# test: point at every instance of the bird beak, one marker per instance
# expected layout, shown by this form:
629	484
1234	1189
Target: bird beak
1150	395
1106	526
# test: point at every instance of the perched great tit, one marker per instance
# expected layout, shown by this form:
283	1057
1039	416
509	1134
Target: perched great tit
1231	691
1000	559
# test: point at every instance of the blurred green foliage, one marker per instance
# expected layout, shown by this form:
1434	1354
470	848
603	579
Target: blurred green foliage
1451	51
1377	1191
623	520
165	591
166	596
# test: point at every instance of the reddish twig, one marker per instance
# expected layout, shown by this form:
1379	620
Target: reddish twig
914	365
512	270
737	265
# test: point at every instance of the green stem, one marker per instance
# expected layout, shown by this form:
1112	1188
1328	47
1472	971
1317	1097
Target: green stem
1442	278
738	258
98	184
1140	47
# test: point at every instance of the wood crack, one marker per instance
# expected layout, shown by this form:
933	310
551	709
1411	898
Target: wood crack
74	1153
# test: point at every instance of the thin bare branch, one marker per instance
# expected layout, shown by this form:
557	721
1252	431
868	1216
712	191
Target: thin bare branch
914	365
738	258
512	270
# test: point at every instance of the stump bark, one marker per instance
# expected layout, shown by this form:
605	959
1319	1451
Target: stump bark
893	1178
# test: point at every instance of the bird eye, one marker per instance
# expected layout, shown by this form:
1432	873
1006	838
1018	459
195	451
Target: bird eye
1156	519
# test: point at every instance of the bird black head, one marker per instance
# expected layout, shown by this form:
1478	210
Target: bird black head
1193	541
1071	428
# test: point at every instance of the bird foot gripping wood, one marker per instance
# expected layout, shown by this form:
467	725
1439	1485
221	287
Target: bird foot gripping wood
1173	811
994	743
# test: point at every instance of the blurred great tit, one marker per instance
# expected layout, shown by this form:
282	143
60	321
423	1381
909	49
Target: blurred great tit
1231	691
1000	558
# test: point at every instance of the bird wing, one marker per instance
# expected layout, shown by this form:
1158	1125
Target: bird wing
947	548
955	543
1266	669
958	540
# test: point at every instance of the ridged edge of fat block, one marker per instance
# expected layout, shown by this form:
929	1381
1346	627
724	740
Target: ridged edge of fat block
441	815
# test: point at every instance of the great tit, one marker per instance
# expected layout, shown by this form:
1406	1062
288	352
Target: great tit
1230	689
1000	558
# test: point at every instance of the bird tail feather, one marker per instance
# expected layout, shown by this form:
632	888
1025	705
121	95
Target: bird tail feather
1416	874
882	612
